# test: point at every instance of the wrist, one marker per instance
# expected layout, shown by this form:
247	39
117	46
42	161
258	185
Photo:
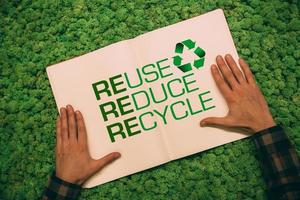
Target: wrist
264	125
69	179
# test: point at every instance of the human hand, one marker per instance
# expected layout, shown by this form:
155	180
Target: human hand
247	106
73	161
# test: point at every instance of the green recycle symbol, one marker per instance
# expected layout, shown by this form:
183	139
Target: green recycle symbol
177	60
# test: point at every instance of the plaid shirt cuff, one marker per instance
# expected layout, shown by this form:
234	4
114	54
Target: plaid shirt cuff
60	189
280	163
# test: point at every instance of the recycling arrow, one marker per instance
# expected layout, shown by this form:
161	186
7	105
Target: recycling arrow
189	44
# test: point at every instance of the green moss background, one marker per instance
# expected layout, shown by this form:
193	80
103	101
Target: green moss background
35	34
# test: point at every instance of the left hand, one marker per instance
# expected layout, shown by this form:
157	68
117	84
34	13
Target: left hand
73	161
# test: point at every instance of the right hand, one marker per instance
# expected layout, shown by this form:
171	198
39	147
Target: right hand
247	105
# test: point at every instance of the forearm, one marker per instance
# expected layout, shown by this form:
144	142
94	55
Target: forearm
280	163
60	189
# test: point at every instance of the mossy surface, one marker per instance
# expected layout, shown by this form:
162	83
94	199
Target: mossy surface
35	34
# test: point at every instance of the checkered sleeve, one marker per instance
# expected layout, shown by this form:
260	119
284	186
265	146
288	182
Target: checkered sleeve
60	190
280	163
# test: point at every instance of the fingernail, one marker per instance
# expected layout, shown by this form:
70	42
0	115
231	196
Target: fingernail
219	57
203	123
117	155
227	55
213	67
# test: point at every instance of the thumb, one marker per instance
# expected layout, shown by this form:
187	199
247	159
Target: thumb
221	121
102	162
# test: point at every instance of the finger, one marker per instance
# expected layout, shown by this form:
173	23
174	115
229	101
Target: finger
64	125
226	72
219	121
81	130
71	123
234	68
58	134
247	71
221	84
102	162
